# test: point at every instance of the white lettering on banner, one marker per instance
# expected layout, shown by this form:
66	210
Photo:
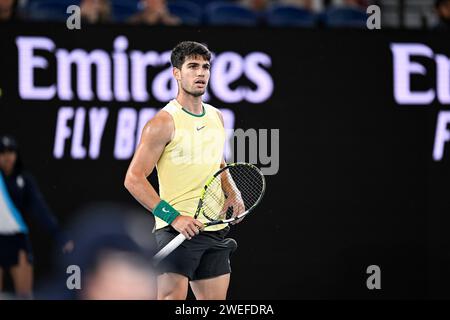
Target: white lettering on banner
97	122
443	78
442	135
259	76
63	131
251	145
121	75
125	134
230	66
130	124
121	69
84	62
227	68
404	68
139	63
164	86
28	62
78	151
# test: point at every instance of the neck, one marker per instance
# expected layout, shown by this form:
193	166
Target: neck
190	103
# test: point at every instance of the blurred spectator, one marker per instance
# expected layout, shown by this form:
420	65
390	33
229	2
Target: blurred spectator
304	4
257	6
114	252
359	4
155	12
95	11
19	198
120	276
7	10
443	13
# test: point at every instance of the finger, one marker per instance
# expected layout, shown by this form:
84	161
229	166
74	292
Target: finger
190	231
224	210
186	235
195	229
198	225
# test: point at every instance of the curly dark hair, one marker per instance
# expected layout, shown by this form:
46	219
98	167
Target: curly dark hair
187	49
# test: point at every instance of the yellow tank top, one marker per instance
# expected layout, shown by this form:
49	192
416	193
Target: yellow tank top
190	159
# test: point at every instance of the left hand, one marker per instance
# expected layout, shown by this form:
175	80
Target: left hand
235	201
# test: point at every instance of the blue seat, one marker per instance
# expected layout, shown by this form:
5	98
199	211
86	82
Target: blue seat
201	3
345	17
285	15
189	12
49	10
229	14
122	10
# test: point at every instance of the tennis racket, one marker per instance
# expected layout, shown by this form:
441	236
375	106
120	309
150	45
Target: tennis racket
229	195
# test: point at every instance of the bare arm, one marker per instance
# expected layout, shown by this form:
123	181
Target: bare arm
229	187
156	135
227	181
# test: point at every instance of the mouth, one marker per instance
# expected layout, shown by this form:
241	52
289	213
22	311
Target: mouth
200	82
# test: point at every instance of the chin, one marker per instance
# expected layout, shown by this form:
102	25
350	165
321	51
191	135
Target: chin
198	93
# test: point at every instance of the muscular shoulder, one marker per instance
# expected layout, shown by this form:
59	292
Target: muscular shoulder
160	127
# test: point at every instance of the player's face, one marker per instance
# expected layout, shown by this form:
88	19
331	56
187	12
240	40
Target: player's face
7	160
194	76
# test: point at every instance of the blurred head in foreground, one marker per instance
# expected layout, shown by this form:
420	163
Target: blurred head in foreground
111	259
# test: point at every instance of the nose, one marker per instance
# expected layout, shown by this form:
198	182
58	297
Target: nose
201	72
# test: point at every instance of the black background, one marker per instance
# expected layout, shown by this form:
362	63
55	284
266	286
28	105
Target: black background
357	185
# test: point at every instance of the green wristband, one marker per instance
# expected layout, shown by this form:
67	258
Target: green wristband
165	212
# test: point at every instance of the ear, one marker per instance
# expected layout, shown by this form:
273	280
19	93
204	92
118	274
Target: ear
176	73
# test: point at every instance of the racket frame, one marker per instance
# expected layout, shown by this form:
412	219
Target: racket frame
179	239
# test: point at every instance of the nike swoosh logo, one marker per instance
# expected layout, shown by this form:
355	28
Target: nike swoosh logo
198	129
165	210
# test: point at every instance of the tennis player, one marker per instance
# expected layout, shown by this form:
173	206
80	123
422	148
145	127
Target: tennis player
185	141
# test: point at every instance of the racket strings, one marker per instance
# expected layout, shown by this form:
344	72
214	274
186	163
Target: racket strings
243	186
250	184
213	200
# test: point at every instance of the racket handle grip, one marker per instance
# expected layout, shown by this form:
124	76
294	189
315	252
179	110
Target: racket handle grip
171	246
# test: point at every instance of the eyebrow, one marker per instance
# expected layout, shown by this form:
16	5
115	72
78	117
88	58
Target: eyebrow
196	64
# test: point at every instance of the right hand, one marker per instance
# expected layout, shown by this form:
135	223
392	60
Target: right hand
187	226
